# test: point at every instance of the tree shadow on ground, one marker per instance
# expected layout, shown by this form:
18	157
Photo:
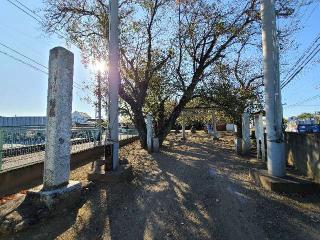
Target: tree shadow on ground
291	221
92	220
175	196
49	227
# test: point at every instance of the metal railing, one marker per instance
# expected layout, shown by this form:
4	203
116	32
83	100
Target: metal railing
84	138
22	140
23	146
125	133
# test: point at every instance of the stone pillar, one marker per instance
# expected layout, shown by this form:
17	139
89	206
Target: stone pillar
183	129
246	133
214	126
237	145
57	192
59	120
156	145
262	144
149	132
259	128
258	136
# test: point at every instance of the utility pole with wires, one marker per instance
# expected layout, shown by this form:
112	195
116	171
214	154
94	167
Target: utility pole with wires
275	143
114	81
99	106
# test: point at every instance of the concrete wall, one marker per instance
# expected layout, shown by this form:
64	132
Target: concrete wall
29	176
303	152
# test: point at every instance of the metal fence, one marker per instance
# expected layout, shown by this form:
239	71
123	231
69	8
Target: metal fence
23	146
125	133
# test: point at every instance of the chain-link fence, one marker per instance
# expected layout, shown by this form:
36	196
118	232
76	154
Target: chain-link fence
23	146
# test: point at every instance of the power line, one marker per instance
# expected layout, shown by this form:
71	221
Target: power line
31	13
307	60
312	11
303	56
26	7
304	101
19	53
75	84
23	62
304	59
26	12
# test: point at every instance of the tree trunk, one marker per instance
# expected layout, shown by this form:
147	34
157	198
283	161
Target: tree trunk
169	123
239	128
140	125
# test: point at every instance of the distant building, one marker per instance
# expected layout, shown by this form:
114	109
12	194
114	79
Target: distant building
38	121
23	121
80	117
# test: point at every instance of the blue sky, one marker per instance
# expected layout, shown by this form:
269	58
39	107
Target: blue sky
306	84
24	90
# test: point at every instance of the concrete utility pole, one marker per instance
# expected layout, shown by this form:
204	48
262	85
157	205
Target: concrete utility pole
275	145
114	80
99	108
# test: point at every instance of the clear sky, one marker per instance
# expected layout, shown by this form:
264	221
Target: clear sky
306	85
23	90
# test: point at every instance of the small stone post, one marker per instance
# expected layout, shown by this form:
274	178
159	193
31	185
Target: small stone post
262	144
59	120
258	136
246	133
214	126
183	129
149	132
156	145
259	128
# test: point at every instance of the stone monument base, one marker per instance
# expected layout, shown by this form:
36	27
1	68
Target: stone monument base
122	174
288	184
215	135
60	198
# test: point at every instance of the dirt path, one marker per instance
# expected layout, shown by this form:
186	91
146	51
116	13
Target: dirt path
193	190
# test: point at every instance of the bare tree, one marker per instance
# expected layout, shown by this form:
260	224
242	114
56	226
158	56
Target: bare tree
166	51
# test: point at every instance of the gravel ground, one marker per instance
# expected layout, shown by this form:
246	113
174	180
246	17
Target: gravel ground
198	189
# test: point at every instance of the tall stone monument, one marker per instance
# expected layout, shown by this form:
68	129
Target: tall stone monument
57	189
